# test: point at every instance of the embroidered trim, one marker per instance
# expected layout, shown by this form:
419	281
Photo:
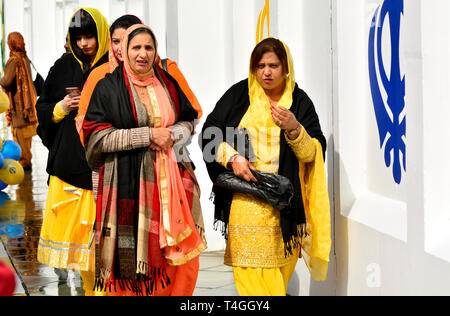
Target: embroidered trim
256	247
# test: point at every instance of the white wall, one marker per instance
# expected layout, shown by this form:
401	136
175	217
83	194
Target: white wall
388	238
391	239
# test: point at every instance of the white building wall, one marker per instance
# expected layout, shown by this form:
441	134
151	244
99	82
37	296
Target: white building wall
391	239
387	238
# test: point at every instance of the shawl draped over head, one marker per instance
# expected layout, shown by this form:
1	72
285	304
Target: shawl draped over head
113	60
103	40
146	200
113	63
229	111
26	94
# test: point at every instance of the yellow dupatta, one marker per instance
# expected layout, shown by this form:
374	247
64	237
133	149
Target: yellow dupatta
103	37
316	245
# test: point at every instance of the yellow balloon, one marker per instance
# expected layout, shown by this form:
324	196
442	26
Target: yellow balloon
4	102
12	172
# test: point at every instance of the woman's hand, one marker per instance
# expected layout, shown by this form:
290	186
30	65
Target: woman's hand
155	147
70	103
241	168
286	120
161	138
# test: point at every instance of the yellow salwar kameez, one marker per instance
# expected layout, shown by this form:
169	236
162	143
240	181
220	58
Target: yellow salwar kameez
67	234
255	247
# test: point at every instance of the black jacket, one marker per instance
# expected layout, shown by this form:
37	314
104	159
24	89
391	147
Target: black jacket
66	159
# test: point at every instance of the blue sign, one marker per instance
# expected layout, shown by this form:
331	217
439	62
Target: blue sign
391	130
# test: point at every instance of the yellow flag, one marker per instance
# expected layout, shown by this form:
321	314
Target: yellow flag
264	17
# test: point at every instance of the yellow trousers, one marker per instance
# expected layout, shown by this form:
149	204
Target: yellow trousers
263	282
24	136
88	278
67	237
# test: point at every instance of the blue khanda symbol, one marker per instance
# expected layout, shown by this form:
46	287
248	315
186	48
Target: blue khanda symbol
390	128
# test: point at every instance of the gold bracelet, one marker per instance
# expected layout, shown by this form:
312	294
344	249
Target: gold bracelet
297	130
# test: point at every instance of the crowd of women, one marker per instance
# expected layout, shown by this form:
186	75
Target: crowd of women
123	204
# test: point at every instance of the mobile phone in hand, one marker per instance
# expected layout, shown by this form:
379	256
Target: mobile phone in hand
73	91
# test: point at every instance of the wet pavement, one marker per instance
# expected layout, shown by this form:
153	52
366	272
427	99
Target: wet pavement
21	214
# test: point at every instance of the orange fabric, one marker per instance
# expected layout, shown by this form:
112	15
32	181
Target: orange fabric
96	75
178	235
176	73
182	281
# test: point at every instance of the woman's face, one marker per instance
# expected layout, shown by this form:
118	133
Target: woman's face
141	53
88	44
116	39
269	72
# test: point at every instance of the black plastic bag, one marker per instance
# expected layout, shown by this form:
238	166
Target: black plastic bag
38	81
39	84
272	188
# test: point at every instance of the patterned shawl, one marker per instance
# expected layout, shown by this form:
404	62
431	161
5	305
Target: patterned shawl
130	244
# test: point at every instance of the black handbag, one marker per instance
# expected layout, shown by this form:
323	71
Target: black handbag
272	188
38	82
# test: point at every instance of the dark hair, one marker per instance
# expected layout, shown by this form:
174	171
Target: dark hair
266	46
139	31
124	22
82	24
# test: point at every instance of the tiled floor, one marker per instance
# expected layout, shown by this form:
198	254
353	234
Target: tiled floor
215	279
21	213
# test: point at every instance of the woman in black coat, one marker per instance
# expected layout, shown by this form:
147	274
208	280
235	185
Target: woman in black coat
67	230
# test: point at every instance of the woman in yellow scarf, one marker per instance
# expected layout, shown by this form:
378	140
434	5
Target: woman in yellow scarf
67	231
285	137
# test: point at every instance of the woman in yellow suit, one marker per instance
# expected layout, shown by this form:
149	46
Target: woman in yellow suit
264	244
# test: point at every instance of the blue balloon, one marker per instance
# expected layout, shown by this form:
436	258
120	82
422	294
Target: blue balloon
17	230
11	150
4	197
2	160
3	185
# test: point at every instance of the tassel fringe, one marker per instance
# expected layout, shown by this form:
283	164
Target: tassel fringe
144	287
201	232
296	241
223	227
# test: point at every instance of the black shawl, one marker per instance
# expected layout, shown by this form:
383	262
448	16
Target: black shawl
229	112
112	107
66	158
